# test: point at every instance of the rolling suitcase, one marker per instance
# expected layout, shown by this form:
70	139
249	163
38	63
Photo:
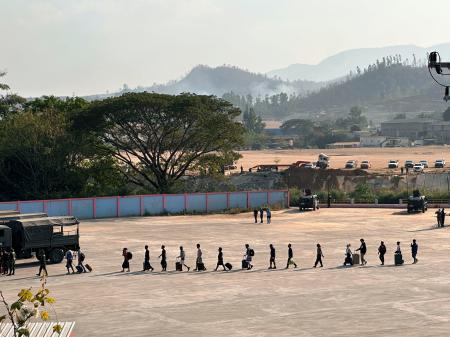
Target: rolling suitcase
200	266
398	259
88	267
228	266
178	266
244	264
355	258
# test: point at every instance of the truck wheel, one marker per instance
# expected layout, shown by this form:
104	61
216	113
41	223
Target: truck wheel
56	255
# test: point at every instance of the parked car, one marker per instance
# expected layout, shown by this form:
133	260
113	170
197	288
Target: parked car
392	164
365	164
439	163
309	165
409	164
418	167
424	163
351	164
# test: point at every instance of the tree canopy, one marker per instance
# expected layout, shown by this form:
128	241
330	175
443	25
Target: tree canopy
159	138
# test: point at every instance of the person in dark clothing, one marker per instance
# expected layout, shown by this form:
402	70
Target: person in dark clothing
147	265
443	217
414	249
290	259
363	250
81	258
5	262
261	214
272	264
382	252
329	200
255	214
438	217
163	258
126	260
69	262
248	256
42	263
319	256
12	262
220	260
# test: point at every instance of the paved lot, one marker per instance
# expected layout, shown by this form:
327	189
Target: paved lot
378	157
412	300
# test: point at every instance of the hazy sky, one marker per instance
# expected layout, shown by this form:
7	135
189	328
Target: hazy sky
90	46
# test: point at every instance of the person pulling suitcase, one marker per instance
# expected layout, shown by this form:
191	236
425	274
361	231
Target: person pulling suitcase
199	263
182	258
398	258
220	260
147	266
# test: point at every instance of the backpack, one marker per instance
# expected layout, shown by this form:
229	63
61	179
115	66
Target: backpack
129	255
252	252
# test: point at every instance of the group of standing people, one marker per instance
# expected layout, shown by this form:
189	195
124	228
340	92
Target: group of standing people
349	255
440	216
260	212
7	262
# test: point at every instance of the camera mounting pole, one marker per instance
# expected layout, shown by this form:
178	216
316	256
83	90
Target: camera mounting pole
435	63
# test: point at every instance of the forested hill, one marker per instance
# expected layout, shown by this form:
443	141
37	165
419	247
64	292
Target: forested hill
219	80
397	87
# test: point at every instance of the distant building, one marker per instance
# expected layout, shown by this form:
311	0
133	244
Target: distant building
343	145
418	128
383	141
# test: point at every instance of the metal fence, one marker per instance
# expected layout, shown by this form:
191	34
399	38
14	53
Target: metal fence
153	204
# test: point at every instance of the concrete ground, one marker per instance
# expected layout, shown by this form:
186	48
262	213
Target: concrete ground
410	300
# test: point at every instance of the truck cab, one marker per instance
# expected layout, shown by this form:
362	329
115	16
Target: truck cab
51	235
5	237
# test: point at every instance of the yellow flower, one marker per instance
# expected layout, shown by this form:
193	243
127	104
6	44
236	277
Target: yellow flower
44	315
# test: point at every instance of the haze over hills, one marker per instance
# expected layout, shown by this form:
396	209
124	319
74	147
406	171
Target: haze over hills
341	64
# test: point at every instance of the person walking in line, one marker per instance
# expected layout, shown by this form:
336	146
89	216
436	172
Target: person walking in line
438	217
319	256
272	264
69	262
414	249
348	255
249	253
126	260
255	215
443	217
329	200
398	255
269	215
12	262
147	265
182	258
220	260
290	259
163	257
363	250
381	252
42	263
261	214
199	263
81	258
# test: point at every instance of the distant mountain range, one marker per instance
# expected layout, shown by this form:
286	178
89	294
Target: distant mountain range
341	64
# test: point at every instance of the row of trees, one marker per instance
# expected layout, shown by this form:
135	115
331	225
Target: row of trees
138	142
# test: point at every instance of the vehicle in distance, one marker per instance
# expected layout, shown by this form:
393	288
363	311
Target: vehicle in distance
439	163
365	164
424	163
51	235
418	167
309	165
351	164
409	164
417	203
323	161
308	201
392	164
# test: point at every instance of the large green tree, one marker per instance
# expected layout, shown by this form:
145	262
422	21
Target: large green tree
9	102
41	155
159	138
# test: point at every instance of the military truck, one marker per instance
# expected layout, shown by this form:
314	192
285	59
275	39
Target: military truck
52	235
309	201
323	161
11	217
417	203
